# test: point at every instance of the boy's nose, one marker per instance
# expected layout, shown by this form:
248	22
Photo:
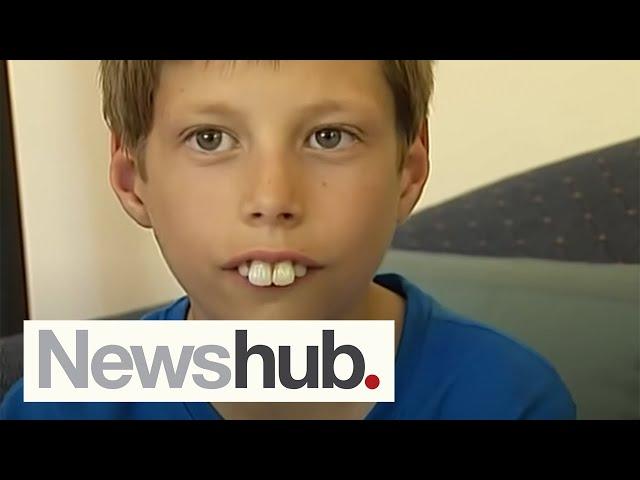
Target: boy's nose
272	194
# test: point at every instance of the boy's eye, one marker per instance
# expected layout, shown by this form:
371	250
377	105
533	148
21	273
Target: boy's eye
331	139
211	140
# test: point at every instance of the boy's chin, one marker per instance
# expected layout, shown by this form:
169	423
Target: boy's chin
288	312
285	308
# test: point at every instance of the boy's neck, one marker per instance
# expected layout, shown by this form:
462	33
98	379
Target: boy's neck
379	304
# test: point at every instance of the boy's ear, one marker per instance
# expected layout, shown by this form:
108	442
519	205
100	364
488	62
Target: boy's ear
415	173
125	181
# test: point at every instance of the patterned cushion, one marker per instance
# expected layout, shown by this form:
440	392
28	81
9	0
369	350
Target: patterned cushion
584	208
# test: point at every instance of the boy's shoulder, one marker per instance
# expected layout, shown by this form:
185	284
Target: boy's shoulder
452	335
13	406
176	310
464	358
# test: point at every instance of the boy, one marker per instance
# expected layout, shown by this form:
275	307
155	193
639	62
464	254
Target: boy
273	190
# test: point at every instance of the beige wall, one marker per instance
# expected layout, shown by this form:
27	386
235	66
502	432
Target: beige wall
85	258
493	119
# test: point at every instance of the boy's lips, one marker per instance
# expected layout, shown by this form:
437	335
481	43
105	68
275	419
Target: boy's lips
272	257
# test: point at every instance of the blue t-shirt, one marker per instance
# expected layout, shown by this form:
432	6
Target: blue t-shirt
447	367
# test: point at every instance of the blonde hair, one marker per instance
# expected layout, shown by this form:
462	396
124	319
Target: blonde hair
128	88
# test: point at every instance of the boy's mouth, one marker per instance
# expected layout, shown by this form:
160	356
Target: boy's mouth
266	269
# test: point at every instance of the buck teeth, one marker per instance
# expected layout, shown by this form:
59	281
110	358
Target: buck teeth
263	274
260	273
283	274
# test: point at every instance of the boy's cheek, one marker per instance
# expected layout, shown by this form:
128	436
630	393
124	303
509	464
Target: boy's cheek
343	212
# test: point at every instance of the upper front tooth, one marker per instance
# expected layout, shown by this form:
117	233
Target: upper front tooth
260	273
283	274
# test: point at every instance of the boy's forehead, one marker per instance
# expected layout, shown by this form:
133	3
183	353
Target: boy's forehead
356	79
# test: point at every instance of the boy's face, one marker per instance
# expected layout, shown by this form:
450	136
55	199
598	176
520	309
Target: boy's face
301	156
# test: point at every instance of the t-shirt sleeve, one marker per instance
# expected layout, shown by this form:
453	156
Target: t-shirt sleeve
12	402
517	385
551	401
